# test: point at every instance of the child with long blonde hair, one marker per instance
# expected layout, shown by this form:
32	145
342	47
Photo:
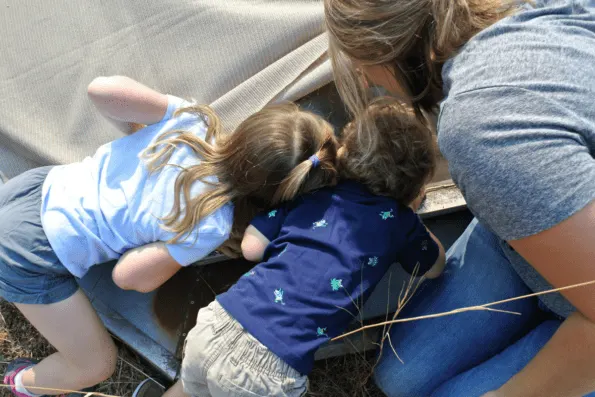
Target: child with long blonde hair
156	200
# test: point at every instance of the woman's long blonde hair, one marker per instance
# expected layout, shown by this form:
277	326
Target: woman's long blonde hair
265	161
412	38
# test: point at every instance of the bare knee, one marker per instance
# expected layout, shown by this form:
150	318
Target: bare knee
107	367
98	367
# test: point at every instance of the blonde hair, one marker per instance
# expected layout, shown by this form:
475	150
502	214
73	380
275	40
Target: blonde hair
399	162
265	161
412	38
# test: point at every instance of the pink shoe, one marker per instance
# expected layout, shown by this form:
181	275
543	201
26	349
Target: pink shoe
14	367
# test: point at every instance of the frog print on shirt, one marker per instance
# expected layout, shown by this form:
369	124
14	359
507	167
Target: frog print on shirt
319	224
372	261
336	284
273	214
386	214
249	274
321	332
279	296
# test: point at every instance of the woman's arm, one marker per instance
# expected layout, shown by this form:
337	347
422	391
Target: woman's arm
529	175
564	255
126	102
145	269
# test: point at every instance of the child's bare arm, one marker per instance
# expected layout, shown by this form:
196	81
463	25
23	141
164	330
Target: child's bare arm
438	267
145	268
127	103
254	244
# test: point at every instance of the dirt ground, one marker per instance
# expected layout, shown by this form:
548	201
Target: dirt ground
337	377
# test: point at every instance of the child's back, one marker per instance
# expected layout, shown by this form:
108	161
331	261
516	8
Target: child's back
95	210
328	250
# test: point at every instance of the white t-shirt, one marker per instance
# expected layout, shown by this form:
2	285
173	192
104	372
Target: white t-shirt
96	210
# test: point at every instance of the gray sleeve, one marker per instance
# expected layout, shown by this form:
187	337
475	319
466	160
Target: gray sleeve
521	159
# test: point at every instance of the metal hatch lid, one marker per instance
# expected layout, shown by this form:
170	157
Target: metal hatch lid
442	198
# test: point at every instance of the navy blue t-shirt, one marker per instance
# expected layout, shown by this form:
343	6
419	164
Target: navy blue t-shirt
328	250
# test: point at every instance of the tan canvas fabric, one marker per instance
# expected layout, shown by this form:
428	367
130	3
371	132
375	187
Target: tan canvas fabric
237	55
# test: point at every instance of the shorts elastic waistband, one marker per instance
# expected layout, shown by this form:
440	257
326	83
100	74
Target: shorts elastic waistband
247	350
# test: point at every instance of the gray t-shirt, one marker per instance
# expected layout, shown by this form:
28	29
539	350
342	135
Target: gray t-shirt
518	124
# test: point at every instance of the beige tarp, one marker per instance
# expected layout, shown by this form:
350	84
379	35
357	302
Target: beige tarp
237	55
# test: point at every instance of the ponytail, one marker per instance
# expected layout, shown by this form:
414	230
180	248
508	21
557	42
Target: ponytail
291	185
316	172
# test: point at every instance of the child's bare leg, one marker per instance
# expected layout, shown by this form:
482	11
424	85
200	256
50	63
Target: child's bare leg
86	353
177	390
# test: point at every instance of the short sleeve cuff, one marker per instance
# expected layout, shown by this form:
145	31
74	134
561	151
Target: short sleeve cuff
267	224
173	103
183	255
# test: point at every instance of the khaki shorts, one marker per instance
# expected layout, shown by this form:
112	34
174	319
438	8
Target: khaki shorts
223	359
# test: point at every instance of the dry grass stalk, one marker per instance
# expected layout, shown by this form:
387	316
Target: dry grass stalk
485	307
365	364
343	377
407	292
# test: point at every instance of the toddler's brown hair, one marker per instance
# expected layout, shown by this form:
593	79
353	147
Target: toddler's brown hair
402	158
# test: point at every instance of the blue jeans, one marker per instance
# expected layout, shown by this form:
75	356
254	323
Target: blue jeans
471	353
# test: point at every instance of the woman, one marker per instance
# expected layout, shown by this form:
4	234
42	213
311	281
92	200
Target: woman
517	125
